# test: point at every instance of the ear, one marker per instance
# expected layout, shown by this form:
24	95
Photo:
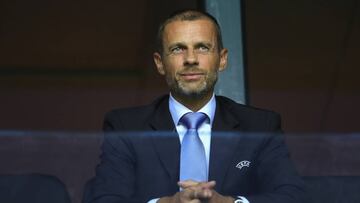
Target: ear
159	63
223	59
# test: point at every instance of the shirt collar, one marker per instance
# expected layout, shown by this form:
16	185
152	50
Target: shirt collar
177	110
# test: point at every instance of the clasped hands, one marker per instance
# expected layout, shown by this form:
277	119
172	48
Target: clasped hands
196	192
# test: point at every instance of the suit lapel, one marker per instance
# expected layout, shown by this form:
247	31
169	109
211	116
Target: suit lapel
223	147
161	119
166	143
224	119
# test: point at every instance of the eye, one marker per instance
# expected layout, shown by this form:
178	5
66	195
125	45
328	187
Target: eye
177	50
203	49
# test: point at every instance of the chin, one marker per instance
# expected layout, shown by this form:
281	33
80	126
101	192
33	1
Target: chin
193	93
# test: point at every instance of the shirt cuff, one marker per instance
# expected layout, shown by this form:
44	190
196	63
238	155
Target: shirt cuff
241	199
156	199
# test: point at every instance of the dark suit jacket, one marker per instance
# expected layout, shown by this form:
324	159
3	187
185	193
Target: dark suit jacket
137	167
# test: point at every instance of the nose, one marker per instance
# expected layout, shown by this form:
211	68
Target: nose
191	58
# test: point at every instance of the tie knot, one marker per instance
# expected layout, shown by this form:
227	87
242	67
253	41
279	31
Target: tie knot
193	120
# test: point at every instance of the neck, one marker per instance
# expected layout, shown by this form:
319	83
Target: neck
193	103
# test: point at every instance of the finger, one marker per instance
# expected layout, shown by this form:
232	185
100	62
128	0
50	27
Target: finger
195	201
195	190
188	194
192	183
187	183
207	185
199	193
206	194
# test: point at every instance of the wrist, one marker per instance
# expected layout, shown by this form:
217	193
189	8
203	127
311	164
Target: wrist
164	200
230	199
168	199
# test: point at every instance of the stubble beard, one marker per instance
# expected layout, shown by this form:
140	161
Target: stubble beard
181	88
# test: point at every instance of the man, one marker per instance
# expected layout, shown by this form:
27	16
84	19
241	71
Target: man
253	169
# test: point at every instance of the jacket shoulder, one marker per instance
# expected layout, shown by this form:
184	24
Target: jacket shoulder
251	118
132	118
231	104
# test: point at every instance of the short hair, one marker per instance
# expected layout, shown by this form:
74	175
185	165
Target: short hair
187	15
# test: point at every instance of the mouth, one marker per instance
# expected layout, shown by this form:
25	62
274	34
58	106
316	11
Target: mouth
191	76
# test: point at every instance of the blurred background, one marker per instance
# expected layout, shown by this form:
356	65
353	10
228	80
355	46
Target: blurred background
63	64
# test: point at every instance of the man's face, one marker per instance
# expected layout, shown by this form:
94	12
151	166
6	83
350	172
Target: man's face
191	60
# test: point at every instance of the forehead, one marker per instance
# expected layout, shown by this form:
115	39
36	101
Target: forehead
201	30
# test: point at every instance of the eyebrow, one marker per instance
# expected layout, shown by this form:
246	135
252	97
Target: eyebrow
207	44
198	44
177	44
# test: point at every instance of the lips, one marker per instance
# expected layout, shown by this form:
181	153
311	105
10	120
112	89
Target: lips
191	76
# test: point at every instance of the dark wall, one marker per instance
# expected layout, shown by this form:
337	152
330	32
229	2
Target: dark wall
303	62
63	64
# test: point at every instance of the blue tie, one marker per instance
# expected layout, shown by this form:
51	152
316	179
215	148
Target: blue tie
192	157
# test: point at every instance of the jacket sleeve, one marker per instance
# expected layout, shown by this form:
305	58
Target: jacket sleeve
115	175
